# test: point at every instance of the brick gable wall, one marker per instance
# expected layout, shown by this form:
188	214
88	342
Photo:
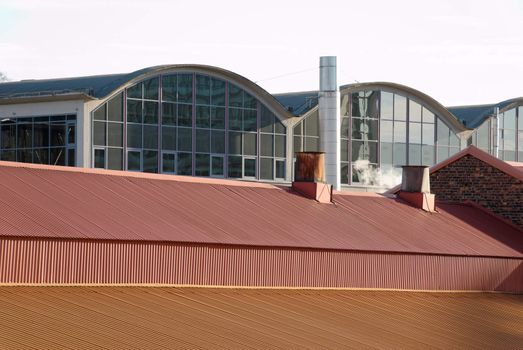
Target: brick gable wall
471	179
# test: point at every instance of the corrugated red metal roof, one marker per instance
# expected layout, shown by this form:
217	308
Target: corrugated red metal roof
72	203
187	318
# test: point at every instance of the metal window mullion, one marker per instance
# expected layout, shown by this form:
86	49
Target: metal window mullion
160	123
258	141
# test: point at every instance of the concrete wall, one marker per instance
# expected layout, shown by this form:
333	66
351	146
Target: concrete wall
470	179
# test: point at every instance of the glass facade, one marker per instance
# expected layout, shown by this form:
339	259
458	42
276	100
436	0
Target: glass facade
381	131
189	124
41	140
509	137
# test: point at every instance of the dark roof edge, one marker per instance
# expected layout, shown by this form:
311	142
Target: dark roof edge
47	98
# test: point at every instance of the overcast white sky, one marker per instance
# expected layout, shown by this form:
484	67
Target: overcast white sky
457	51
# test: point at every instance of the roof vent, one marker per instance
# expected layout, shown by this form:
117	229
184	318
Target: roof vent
309	177
415	187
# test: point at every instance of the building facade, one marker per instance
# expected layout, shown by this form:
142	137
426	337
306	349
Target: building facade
205	121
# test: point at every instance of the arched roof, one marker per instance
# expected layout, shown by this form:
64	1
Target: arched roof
102	86
416	95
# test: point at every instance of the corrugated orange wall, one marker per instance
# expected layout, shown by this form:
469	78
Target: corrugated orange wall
100	262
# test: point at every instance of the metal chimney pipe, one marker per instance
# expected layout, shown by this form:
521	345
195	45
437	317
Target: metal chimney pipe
415	179
329	118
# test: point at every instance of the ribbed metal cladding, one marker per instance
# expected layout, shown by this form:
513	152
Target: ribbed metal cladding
108	262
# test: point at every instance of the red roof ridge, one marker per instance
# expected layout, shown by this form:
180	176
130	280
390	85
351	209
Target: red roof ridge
140	175
499	164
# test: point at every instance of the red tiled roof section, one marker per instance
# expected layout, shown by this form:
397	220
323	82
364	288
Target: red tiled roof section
78	204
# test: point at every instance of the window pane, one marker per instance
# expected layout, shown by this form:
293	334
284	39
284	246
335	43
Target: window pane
400	132
218	118
428	116
414	111
399	155
41	156
202	165
509	140
41	135
150	112
483	136
185	115
57	156
266	168
185	139
134	160
454	140
311	144
344	172
150	161
235	166
249	144
344	150
415	133
168	138
168	163
202	116
387	105
311	126
168	114
99	158
169	88
442	134
150	137
218	92
249	167
235	119
345	128
114	109
71	131
400	107
386	153
99	114
135	91
134	111
185	88
58	134
134	135
279	146
297	128
218	141
386	131
114	159
509	119
203	89
266	145
414	154
280	169
279	128
266	120
8	135
427	155
115	134
249	101
443	153
428	134
364	151
203	140
249	120
184	164
235	143
235	96
217	166
25	136
98	133
25	156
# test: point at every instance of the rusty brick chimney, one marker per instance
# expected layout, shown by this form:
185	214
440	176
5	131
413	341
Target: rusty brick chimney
309	177
415	187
